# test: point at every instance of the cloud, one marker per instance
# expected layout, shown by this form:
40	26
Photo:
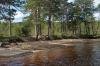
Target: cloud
96	2
18	17
70	0
96	15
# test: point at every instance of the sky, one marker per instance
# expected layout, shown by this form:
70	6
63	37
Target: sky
97	2
19	16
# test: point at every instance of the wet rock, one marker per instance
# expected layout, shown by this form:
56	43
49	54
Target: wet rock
13	44
25	46
0	43
5	44
8	45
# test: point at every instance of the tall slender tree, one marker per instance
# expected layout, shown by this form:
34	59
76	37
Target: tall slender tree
87	9
43	8
8	10
98	10
35	7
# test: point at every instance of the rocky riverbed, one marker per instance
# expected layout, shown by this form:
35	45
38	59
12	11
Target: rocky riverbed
14	49
69	52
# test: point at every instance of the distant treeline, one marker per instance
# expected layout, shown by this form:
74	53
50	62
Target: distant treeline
28	29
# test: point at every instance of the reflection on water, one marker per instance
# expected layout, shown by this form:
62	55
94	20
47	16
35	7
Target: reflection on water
81	54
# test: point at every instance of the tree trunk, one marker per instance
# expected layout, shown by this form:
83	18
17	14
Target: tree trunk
10	33
49	27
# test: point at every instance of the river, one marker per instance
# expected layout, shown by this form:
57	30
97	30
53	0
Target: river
80	54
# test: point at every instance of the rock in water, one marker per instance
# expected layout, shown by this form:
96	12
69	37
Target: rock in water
5	45
8	45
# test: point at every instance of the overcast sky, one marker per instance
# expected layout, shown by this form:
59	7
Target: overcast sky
19	16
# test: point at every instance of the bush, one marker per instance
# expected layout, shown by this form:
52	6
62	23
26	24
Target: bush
56	37
18	31
15	39
11	39
87	36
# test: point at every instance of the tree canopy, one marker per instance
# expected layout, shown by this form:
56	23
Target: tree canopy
8	8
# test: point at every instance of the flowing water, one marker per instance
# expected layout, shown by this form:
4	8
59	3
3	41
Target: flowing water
80	54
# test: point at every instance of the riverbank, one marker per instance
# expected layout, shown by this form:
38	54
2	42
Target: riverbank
44	38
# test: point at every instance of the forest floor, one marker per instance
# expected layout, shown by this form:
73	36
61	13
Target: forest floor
30	47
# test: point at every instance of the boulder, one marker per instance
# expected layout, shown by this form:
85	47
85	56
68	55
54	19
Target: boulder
8	45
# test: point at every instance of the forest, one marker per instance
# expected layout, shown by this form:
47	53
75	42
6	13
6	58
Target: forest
50	19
